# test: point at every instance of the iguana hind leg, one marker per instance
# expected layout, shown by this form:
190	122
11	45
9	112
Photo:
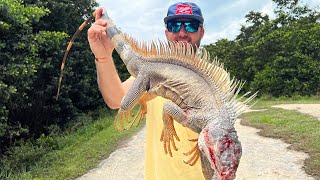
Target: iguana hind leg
171	111
168	134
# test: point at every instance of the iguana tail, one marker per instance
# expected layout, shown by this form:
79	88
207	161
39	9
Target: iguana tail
123	43
83	25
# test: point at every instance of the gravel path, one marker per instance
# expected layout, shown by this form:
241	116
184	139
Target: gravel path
312	109
262	158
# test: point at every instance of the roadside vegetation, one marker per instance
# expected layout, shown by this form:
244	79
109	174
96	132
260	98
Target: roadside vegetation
65	156
300	130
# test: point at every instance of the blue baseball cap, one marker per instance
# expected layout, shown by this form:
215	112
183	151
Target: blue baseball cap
184	10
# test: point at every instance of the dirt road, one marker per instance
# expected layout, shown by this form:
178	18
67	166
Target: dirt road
262	158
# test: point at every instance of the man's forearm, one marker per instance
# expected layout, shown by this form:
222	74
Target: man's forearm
109	83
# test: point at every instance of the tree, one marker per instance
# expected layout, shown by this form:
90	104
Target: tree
279	57
34	35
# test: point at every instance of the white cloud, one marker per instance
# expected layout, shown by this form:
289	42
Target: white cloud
268	10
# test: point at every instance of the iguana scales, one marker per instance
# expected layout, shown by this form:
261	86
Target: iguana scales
203	98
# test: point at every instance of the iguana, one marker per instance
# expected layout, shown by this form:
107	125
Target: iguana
203	98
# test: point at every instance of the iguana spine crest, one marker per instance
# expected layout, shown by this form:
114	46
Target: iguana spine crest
184	54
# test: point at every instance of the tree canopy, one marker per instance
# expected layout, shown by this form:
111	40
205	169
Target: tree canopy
278	57
33	37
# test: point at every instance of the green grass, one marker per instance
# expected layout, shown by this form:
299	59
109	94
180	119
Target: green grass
77	152
267	102
300	130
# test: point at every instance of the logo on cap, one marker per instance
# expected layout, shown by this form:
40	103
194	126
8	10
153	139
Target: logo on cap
184	9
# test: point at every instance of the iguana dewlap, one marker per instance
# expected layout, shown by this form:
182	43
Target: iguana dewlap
198	98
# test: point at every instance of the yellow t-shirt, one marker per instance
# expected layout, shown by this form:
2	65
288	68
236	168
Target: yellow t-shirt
161	166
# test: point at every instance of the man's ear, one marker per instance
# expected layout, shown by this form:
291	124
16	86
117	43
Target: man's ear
166	33
202	32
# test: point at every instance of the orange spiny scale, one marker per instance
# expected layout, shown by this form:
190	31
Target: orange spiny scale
211	68
204	64
170	48
198	63
175	49
154	48
183	50
188	50
179	51
205	56
162	48
208	59
201	64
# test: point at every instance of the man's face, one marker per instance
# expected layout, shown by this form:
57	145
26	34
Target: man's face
183	36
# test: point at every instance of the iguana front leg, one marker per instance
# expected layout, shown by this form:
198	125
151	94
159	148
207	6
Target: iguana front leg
132	97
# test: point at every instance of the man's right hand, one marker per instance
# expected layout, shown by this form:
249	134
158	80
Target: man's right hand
100	43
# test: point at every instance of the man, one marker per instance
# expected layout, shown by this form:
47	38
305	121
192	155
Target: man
184	24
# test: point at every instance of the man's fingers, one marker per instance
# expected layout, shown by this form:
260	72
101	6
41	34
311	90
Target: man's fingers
98	14
101	22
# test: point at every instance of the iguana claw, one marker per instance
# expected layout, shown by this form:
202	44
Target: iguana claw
120	116
168	132
195	151
141	114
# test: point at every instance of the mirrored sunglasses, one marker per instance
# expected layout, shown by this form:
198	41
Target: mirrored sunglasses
189	26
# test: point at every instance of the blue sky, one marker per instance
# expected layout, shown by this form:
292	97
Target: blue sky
143	19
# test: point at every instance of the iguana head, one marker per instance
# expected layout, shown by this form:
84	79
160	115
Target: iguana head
223	150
